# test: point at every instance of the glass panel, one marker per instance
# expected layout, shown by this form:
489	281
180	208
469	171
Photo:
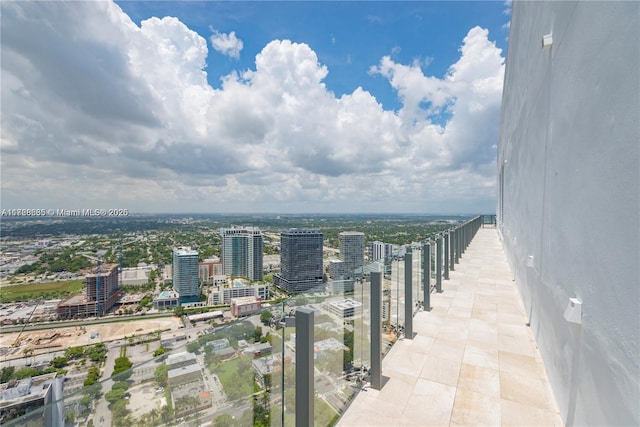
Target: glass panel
333	354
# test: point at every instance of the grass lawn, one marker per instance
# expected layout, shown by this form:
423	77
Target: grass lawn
31	291
237	380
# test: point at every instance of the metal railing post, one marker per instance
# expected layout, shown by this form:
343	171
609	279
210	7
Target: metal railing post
426	276
376	331
446	255
457	244
304	367
452	244
439	264
408	295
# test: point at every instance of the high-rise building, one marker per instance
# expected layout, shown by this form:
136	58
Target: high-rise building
185	274
300	260
100	294
102	287
379	251
351	251
242	252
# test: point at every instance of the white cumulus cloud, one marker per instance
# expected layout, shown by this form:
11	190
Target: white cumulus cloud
97	110
227	44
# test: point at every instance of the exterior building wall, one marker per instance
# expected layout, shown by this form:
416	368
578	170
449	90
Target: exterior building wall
185	274
300	260
351	251
245	306
97	300
379	251
36	401
568	197
242	251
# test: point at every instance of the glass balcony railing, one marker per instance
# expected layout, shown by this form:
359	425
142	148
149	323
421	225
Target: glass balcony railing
252	370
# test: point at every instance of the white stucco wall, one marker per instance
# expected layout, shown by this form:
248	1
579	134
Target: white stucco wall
570	197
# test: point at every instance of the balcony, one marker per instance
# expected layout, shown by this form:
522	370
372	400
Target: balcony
472	360
444	317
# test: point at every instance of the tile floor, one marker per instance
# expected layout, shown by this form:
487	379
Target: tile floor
473	360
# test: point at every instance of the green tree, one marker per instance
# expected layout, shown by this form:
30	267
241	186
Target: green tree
257	334
74	352
120	385
114	395
119	410
161	375
59	362
85	400
93	374
159	352
7	373
265	317
97	353
121	366
224	420
193	346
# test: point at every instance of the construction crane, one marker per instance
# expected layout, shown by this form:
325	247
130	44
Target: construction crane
16	343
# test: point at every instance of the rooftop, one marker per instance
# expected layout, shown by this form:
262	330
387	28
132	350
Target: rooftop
473	359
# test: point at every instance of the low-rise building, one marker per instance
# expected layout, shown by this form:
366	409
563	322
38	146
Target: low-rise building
135	276
184	375
267	365
219	344
329	344
200	317
166	300
168	339
246	306
257	350
345	308
178	360
225	293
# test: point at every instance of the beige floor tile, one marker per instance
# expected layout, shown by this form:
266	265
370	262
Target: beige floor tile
405	362
515	344
430	403
486	357
483	339
479	325
518	414
443	371
475	409
519	364
490	300
447	350
488	315
480	380
371	412
473	360
420	343
398	388
454	329
518	319
459	312
525	390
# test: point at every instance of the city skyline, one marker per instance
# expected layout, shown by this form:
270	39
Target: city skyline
219	107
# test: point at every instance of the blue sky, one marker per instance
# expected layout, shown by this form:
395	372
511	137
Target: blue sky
252	106
348	37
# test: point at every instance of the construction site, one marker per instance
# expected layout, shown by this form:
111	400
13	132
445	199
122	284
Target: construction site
16	345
